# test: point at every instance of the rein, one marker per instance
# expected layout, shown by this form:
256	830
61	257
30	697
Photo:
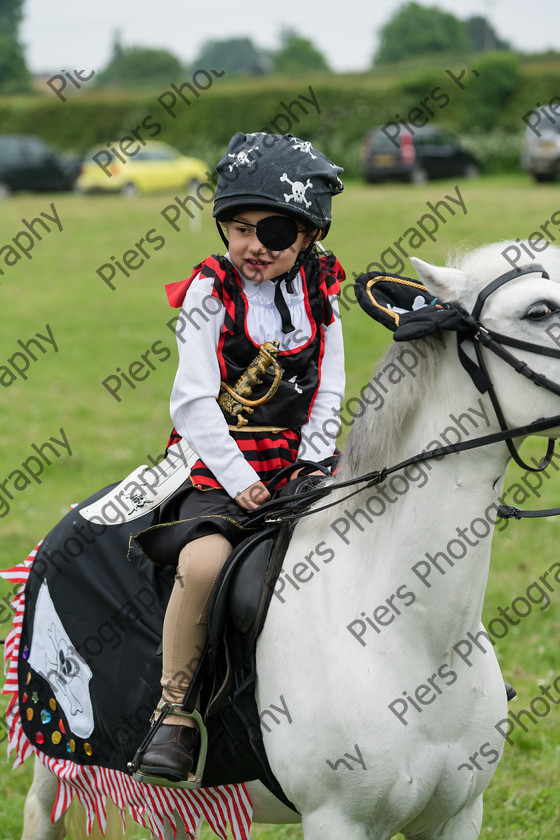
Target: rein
280	511
284	511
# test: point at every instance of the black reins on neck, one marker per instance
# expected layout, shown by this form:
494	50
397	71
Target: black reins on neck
278	510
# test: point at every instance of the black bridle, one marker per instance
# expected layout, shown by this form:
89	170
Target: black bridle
481	337
469	328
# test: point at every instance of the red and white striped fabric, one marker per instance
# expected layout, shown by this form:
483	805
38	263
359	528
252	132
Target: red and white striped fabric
151	806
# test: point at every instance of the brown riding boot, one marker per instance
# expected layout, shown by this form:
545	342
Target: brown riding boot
171	754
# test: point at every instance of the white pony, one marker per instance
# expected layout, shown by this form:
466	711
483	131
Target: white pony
381	699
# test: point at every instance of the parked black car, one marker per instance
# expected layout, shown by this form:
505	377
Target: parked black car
430	152
28	163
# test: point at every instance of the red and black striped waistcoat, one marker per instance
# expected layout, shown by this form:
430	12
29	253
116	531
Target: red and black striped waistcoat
270	439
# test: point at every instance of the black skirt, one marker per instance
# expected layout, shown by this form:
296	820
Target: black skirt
190	513
187	515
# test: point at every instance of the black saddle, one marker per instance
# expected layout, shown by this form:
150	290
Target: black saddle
243	590
226	675
222	689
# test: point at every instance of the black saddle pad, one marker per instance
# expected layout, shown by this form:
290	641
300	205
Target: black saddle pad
89	666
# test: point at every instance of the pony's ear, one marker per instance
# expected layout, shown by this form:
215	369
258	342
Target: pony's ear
447	284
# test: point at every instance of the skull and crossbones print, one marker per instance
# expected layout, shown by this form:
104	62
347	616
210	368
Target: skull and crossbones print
304	146
242	158
54	657
298	191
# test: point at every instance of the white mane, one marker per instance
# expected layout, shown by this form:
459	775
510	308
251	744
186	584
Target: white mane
377	436
488	262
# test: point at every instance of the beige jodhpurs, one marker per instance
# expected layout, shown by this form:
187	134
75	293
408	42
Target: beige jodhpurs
186	618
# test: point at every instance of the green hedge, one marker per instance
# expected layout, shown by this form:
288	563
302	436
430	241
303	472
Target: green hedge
349	106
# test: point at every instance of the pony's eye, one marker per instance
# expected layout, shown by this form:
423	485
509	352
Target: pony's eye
539	311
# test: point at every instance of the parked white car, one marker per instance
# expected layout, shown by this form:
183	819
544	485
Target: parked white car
541	151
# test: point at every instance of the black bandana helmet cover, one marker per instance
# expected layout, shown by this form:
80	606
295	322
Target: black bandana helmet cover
283	174
277	172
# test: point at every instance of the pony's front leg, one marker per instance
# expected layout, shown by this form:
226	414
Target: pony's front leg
465	825
180	833
39	803
329	823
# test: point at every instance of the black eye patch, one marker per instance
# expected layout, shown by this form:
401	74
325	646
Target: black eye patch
277	232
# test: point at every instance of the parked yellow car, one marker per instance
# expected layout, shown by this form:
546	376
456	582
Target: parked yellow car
151	167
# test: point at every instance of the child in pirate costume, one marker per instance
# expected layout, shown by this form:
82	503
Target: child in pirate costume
262	329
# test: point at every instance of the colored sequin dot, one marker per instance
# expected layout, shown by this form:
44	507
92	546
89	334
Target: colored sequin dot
24	697
88	749
35	697
61	726
52	704
28	677
29	714
25	653
46	716
39	737
56	737
71	745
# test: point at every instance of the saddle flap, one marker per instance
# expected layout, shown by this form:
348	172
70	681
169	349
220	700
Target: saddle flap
257	549
247	584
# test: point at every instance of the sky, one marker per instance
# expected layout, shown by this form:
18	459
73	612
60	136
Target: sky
60	35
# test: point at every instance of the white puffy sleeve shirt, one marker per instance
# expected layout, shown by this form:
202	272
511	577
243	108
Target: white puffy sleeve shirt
194	410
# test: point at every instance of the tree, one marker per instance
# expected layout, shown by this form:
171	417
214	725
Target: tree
118	48
138	67
420	30
14	75
298	56
483	36
237	56
498	82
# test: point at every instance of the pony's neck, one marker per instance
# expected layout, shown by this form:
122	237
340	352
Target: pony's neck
429	527
435	405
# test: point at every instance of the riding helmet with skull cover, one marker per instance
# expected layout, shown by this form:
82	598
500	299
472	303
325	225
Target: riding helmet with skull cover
277	172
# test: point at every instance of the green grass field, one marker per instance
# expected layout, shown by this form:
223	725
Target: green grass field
98	330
